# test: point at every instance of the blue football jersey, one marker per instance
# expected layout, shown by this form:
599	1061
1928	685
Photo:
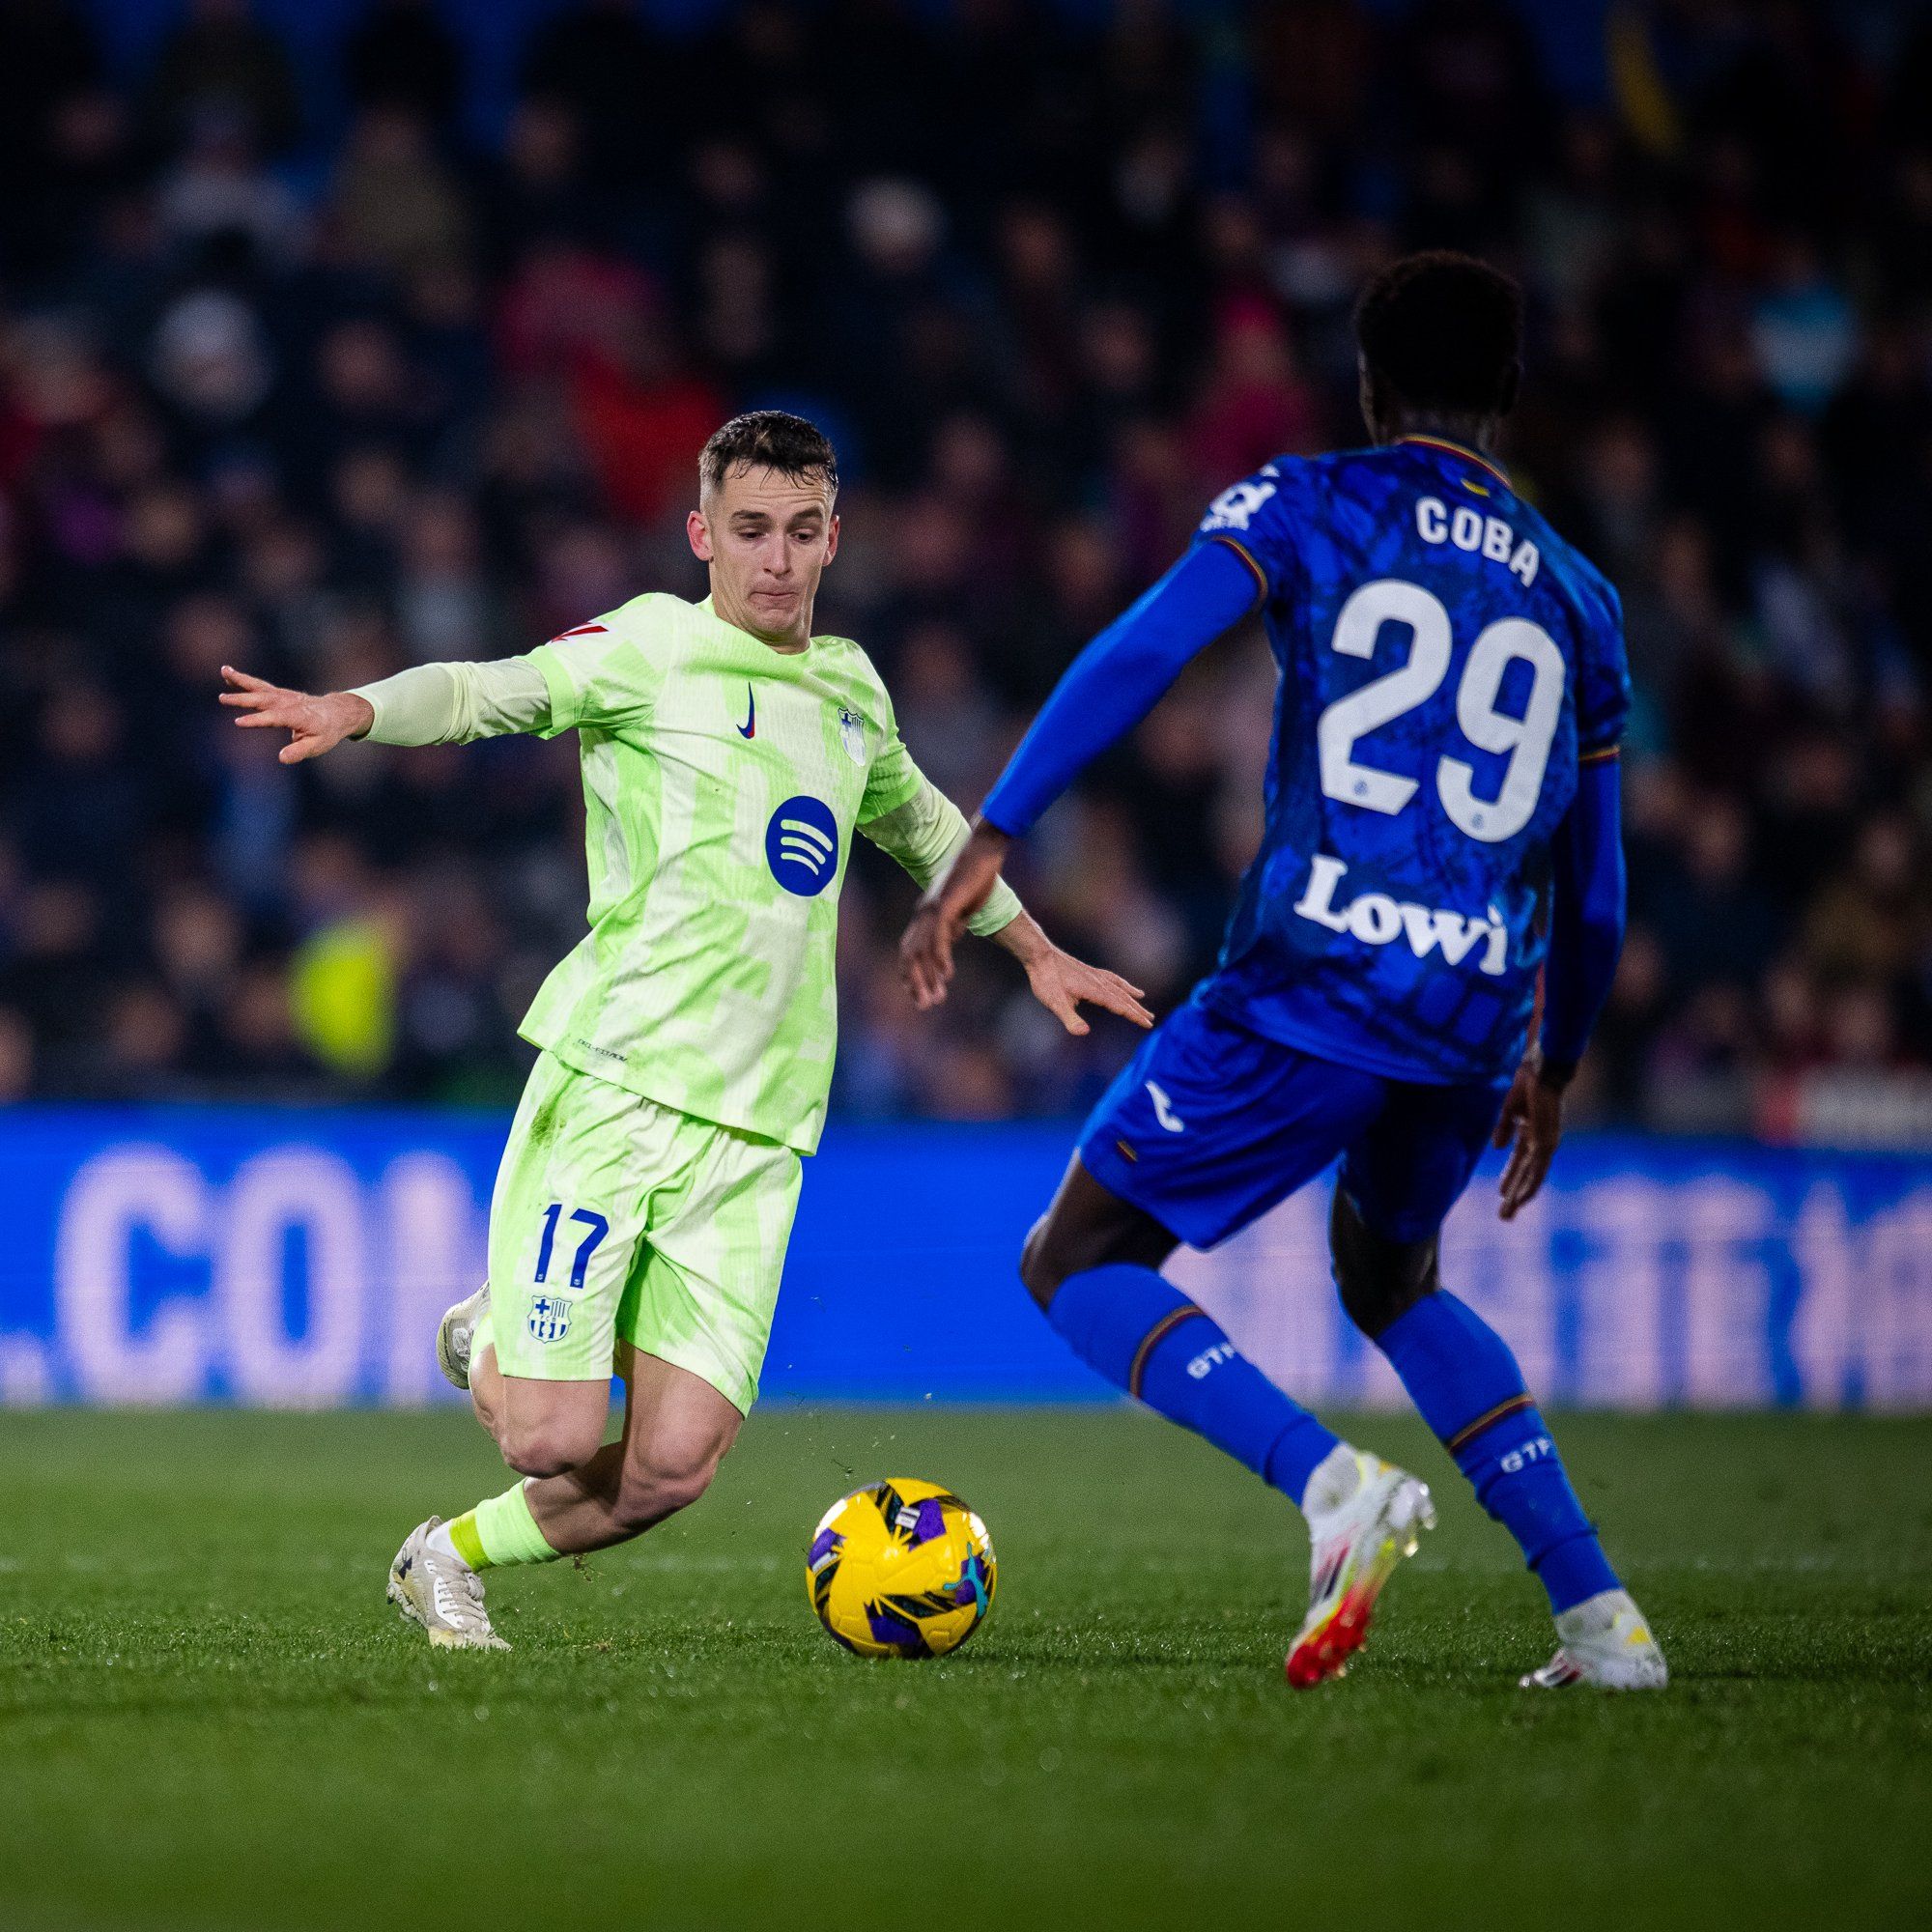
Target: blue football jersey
1446	661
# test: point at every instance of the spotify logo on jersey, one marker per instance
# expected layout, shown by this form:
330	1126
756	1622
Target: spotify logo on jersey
802	845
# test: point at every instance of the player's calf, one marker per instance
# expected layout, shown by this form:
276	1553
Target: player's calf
1459	1373
658	1486
677	1429
1090	1263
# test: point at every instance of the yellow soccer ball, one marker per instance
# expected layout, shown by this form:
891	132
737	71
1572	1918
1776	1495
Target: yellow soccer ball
901	1568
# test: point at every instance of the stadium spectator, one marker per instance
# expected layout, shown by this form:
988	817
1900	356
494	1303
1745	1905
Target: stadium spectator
336	399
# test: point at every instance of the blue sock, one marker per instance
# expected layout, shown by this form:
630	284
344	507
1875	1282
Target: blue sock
1460	1374
1144	1336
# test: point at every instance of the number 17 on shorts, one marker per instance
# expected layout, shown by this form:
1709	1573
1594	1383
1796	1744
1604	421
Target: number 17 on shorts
549	1318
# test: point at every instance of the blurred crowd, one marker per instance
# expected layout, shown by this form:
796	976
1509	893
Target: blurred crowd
323	399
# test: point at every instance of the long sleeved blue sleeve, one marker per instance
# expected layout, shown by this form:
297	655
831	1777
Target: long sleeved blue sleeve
1586	928
1119	677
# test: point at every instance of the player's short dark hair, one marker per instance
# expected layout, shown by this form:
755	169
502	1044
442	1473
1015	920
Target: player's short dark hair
1444	332
769	439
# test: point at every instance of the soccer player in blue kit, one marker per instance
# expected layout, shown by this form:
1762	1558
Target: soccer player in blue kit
1441	829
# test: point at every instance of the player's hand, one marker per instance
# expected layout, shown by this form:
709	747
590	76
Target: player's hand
925	952
1532	1116
1063	984
314	724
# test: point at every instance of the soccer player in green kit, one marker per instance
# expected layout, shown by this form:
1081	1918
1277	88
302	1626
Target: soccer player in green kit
646	1193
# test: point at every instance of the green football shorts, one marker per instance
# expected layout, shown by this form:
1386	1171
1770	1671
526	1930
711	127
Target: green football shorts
616	1220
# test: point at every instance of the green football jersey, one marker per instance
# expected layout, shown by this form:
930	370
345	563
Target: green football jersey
723	781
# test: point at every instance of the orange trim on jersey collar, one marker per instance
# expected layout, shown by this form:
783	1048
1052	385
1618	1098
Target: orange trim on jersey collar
1495	470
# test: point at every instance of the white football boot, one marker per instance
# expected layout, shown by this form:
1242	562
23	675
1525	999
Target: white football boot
456	1333
437	1589
1364	1517
1604	1641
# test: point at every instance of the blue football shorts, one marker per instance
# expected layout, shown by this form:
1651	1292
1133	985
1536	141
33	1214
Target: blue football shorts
1209	1126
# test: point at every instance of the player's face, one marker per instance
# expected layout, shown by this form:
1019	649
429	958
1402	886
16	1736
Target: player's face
767	538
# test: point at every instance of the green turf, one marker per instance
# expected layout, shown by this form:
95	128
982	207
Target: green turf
208	1717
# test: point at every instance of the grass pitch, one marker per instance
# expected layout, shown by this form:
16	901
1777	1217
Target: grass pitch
210	1719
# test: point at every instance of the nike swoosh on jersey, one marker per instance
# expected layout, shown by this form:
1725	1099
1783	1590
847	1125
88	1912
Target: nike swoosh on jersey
750	727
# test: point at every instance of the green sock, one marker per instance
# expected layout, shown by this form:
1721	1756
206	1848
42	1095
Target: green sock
500	1532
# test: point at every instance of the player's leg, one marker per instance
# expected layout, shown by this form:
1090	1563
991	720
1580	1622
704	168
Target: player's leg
565	1223
547	1430
1205	1129
693	1325
677	1429
485	1382
469	1360
1092	1264
1397	1180
532	1445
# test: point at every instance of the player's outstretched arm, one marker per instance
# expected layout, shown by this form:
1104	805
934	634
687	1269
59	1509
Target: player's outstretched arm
427	704
314	724
1587	936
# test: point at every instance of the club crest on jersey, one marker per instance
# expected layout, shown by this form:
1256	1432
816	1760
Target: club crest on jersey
1233	509
802	845
852	735
549	1318
1376	919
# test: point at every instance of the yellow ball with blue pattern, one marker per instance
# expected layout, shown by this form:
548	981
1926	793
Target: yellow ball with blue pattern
901	1569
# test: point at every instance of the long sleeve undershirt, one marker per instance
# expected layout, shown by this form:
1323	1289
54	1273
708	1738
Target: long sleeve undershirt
1119	677
458	704
1586	920
923	834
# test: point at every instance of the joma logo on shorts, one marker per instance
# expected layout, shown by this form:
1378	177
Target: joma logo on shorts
1376	919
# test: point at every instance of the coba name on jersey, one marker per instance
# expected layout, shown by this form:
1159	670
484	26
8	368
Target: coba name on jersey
1435	523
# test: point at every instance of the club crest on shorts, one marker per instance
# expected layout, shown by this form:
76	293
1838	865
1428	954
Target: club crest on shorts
852	735
549	1318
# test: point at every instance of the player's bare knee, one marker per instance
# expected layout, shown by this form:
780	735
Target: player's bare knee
538	1456
547	1446
1041	1269
1379	1278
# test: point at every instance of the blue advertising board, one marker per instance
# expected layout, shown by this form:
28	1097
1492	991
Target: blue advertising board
301	1259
